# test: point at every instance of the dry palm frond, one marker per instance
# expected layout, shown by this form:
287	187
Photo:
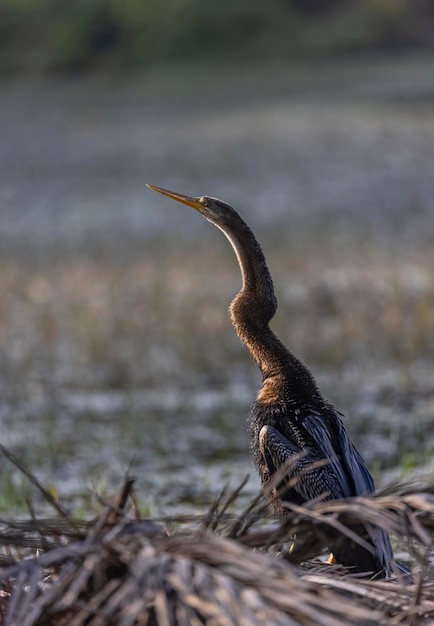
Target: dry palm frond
217	569
128	578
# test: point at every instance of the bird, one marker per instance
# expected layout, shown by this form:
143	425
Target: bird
292	426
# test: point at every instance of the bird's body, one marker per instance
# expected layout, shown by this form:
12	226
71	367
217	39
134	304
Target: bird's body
291	423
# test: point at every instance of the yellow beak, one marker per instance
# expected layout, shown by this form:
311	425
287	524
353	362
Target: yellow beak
188	200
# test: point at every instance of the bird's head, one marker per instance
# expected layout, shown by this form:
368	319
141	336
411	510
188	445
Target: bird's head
215	210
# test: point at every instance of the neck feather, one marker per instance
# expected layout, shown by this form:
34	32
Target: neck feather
251	312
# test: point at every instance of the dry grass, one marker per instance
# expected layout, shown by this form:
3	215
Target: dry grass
221	569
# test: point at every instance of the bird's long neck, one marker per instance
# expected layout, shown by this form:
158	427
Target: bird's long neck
251	312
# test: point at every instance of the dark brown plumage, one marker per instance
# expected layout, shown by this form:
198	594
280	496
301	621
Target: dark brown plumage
291	423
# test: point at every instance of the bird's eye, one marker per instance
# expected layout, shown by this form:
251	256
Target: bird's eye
203	201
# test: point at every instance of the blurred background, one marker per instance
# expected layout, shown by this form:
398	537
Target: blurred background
315	119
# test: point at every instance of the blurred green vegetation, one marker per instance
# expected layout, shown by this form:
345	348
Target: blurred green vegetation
89	35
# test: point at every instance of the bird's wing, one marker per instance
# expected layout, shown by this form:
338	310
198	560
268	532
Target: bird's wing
303	469
363	481
341	457
277	448
347	462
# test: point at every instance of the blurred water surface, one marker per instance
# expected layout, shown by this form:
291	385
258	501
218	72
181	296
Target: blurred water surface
116	345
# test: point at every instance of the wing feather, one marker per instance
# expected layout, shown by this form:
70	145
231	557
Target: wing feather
317	428
360	474
349	466
315	478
